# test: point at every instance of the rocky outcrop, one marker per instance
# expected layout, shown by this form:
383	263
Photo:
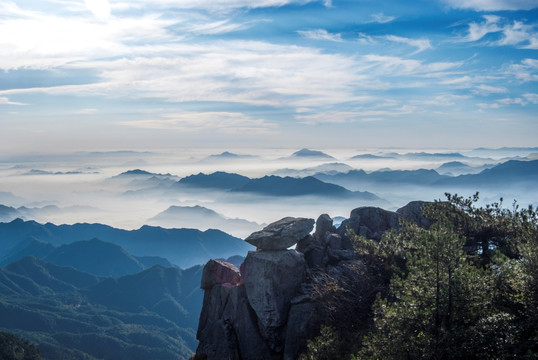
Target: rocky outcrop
414	212
268	309
281	234
259	311
273	279
370	222
217	272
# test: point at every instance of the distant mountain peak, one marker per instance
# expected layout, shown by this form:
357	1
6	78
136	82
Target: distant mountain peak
136	172
229	155
311	154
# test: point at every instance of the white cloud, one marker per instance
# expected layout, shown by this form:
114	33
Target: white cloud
488	89
216	27
493	5
516	34
445	100
40	41
320	34
99	8
477	31
212	5
531	97
463	81
420	44
221	122
362	115
6	101
87	111
525	71
397	66
488	106
382	19
510	101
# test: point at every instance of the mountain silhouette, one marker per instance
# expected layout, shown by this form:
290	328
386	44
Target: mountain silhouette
183	247
217	180
512	172
288	186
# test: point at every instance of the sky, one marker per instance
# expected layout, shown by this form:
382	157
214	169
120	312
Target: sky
145	75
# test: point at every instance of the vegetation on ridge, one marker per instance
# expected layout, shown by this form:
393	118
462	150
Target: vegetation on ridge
464	288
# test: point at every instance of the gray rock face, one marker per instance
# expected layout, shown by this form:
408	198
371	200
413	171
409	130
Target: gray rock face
324	224
281	234
269	309
227	329
273	278
370	222
413	212
303	321
218	272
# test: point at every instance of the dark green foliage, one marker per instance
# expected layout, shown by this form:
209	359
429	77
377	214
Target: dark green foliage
139	316
14	348
465	288
327	346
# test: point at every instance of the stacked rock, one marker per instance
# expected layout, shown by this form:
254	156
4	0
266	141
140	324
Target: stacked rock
258	312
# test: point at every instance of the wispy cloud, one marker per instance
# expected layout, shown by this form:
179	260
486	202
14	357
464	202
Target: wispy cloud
488	89
492	5
526	70
320	34
6	101
420	44
212	5
515	33
531	97
382	19
216	27
477	31
87	111
99	8
484	106
511	101
223	122
357	115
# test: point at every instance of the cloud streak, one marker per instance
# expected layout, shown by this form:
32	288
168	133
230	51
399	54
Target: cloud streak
492	5
5	101
221	122
420	44
320	34
516	33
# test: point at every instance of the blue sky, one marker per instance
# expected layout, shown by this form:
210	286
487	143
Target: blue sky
177	74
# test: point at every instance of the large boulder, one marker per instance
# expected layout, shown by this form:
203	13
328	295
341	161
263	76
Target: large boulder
228	328
370	222
304	321
414	212
324	224
218	272
272	279
281	234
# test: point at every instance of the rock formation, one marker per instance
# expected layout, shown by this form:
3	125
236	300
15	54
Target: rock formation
267	310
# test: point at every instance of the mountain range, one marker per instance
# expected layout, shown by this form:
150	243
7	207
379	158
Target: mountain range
183	247
70	314
273	185
92	256
512	172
